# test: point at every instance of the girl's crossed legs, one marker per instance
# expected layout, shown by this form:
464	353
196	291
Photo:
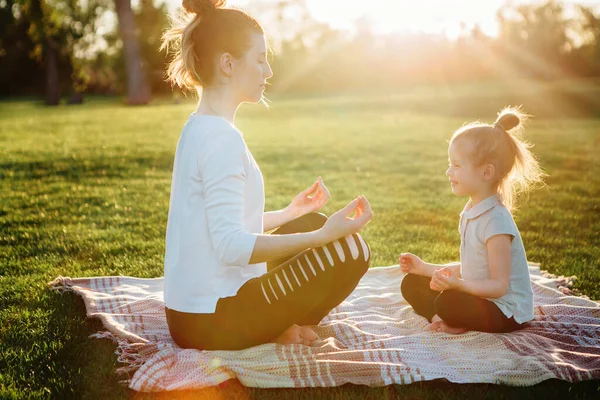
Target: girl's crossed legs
459	311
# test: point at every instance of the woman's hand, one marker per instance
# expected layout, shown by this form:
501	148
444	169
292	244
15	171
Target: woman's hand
309	200
411	264
342	224
444	279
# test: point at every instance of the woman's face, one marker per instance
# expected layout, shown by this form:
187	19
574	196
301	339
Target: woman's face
252	71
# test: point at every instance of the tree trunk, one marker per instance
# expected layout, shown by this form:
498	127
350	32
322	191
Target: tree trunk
49	53
51	67
138	90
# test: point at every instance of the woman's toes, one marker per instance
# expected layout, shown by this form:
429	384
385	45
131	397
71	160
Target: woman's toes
308	334
290	336
297	335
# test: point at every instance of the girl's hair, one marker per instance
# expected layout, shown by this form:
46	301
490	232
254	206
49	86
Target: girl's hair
501	145
196	38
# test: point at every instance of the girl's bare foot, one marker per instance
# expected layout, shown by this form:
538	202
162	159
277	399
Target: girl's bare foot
297	335
444	327
435	323
438	325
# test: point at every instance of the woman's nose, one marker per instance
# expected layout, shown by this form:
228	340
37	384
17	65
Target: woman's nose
448	172
269	72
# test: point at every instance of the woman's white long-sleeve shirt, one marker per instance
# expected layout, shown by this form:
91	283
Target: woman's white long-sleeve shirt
215	213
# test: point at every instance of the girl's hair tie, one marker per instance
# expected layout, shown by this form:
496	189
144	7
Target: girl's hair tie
499	125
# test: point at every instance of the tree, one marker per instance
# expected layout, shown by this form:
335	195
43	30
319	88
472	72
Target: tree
151	21
590	31
19	72
44	33
535	36
138	90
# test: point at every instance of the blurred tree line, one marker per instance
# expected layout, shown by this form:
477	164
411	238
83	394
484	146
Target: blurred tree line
67	48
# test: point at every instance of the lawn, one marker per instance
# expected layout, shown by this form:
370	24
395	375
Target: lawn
85	191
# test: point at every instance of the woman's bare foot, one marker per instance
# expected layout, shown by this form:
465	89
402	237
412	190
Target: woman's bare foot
438	325
297	335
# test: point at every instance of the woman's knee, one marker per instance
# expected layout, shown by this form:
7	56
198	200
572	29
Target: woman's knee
353	252
306	223
314	221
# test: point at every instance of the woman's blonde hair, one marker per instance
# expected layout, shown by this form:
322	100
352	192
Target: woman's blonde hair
501	144
205	30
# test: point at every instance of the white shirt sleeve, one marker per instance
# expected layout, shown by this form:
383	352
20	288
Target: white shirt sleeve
223	174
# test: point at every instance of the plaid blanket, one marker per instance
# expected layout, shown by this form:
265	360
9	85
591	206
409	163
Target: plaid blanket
373	338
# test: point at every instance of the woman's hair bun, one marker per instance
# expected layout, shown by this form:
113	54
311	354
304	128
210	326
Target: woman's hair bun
201	7
510	118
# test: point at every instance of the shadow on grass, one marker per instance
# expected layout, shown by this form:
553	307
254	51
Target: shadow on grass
439	389
89	365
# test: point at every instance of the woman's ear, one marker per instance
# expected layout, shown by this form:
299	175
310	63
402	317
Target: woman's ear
488	172
226	64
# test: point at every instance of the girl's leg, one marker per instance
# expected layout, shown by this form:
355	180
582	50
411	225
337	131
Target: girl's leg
463	310
416	291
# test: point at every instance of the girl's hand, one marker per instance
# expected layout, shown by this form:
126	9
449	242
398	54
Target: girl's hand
310	200
342	224
411	264
444	279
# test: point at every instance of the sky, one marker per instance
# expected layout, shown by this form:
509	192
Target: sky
431	16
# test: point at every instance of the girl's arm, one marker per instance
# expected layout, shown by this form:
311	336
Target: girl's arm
499	260
455	266
410	263
429	269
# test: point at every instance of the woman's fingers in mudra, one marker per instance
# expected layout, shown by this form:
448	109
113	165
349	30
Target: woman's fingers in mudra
362	212
348	220
311	199
320	195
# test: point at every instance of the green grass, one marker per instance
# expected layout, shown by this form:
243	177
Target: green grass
85	190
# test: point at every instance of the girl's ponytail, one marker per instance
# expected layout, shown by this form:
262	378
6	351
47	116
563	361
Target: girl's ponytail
525	171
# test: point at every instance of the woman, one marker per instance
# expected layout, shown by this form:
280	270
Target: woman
228	285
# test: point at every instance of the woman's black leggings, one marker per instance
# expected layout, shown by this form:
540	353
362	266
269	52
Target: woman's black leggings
299	290
457	309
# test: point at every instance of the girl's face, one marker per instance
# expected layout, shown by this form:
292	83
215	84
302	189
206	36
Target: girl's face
466	179
252	71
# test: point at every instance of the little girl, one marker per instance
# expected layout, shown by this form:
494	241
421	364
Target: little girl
489	290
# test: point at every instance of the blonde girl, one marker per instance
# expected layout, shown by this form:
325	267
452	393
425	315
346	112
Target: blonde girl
490	289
